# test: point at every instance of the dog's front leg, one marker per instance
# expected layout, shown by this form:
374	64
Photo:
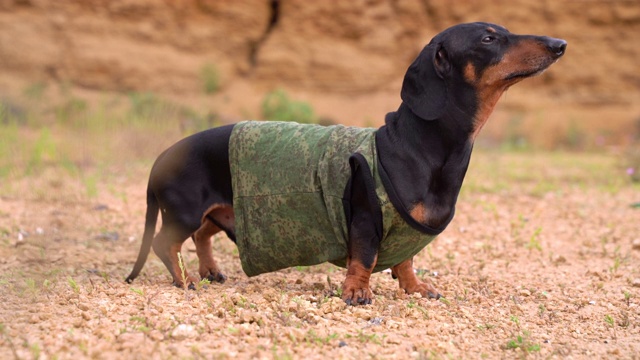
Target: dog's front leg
410	283
364	219
355	289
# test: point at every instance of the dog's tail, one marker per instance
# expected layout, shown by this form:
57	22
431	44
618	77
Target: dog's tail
151	218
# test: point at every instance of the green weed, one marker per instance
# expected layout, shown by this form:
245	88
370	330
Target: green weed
515	319
210	77
35	91
413	305
35	351
73	284
91	186
445	301
541	309
71	112
312	337
183	276
44	150
523	342
609	320
365	338
575	137
137	291
517	227
277	105
202	284
534	240
142	323
485	326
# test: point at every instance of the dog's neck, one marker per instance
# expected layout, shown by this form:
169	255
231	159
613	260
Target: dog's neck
426	161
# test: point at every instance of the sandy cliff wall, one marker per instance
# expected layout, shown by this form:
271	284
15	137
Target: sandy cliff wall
315	47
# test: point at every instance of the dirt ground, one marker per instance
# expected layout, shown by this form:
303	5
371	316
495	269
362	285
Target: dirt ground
540	261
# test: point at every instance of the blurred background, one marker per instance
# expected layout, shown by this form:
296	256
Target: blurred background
84	82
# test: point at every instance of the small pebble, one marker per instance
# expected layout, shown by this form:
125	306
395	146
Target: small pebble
636	244
636	282
156	335
184	331
108	235
342	343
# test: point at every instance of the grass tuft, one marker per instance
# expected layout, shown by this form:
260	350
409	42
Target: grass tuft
277	105
210	77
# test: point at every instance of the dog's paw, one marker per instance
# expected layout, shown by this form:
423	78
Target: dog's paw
357	297
356	292
191	283
191	286
216	277
425	289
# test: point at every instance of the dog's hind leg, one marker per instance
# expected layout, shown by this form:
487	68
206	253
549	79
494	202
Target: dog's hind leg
219	217
410	283
167	245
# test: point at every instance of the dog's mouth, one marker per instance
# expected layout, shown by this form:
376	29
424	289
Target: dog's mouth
524	74
519	75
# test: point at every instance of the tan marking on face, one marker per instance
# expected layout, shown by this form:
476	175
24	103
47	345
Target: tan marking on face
470	73
491	30
492	82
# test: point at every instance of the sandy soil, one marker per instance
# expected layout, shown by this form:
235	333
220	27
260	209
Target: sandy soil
541	261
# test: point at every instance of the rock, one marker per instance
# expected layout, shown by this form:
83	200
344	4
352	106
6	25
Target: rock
636	282
362	313
271	295
249	316
636	244
559	259
332	305
525	292
184	331
131	340
156	335
108	236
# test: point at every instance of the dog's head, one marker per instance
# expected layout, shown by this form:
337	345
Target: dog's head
480	57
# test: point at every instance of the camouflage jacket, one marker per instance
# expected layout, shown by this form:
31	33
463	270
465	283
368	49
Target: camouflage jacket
288	185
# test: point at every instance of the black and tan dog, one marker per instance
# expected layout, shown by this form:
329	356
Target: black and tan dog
388	192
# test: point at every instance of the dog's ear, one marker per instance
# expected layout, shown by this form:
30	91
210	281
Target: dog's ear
424	89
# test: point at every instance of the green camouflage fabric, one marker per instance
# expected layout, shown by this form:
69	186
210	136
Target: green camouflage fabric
288	184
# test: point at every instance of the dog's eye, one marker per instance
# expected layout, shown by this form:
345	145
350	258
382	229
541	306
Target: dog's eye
488	39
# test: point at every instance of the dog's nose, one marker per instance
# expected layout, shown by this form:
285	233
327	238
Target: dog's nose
556	46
